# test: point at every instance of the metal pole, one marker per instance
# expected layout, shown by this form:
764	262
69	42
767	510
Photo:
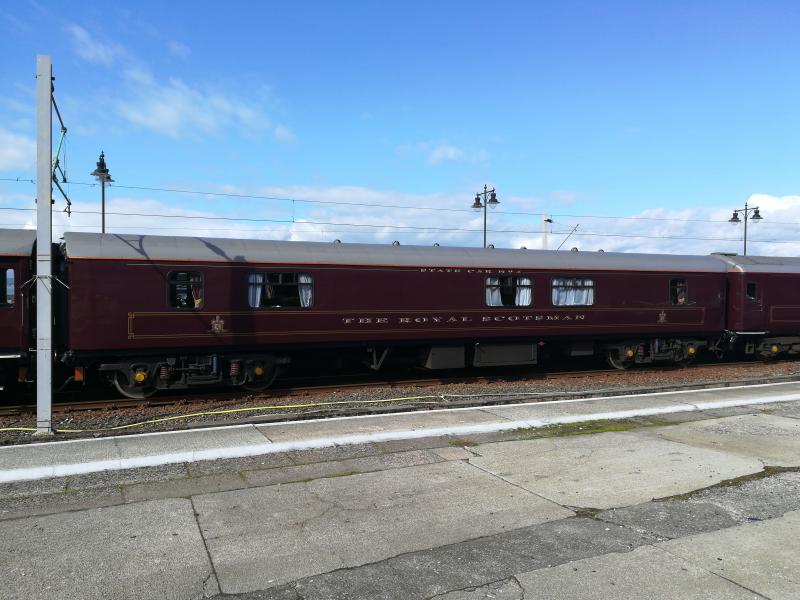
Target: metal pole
484	220
44	239
103	204
745	228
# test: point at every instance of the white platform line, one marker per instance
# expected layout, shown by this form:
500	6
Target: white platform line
256	449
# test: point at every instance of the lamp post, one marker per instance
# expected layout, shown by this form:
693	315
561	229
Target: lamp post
103	176
735	220
489	199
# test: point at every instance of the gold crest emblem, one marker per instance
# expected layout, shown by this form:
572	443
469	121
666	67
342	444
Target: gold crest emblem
217	325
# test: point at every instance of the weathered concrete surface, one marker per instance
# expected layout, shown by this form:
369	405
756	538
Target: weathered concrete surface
762	557
670	519
326	524
354	426
712	509
473	563
147	550
609	469
646	573
189	441
50	453
336	468
590	408
508	589
774	440
756	500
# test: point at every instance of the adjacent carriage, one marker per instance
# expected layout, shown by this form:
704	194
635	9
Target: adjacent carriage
16	266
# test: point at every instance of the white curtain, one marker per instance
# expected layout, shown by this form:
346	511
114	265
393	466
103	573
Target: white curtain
10	288
573	292
304	285
493	297
255	285
524	292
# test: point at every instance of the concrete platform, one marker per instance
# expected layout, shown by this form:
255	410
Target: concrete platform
648	573
328	524
689	509
145	550
744	435
609	469
54	459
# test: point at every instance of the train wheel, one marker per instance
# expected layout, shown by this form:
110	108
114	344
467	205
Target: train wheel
132	390
613	359
260	382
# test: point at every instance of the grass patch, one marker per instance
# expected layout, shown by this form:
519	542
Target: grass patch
584	512
461	442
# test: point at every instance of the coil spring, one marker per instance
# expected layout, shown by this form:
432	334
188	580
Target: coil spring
163	372
236	367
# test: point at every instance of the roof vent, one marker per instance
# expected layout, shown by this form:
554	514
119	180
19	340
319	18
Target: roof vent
337	241
436	244
395	243
573	249
601	250
490	246
523	247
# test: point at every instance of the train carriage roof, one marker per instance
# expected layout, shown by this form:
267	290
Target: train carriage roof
761	264
197	249
17	242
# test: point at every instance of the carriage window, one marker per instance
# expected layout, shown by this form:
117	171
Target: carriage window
7	287
678	292
752	292
279	290
573	291
509	291
185	289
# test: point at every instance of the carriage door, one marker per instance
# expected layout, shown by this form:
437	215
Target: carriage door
9	311
753	308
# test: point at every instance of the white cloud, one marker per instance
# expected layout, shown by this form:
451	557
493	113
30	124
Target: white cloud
179	50
16	151
283	134
177	109
382	216
92	50
437	153
445	153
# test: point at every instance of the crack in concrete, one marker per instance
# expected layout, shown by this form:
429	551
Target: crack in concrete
709	571
516	485
492	585
213	572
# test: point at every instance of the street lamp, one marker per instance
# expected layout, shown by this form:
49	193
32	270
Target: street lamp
489	199
103	176
735	220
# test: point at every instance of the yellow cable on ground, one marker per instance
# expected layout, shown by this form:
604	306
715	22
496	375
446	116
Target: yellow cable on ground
226	411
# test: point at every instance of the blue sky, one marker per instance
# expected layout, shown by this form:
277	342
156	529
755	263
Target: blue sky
674	110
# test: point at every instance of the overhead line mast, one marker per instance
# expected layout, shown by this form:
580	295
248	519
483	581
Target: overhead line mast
44	240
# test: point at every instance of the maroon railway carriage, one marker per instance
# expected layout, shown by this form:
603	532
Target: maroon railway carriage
16	261
158	312
764	304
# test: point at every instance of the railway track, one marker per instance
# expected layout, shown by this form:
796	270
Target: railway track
333	384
